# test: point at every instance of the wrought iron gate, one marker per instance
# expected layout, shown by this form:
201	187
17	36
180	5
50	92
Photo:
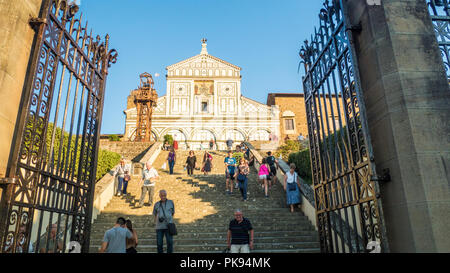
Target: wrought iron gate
440	15
54	159
348	209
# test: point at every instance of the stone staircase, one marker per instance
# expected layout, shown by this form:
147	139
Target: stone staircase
203	212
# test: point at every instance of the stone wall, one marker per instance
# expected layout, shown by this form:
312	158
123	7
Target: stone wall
292	103
15	47
296	104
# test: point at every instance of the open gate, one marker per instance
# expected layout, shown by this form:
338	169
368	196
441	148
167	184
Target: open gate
348	208
440	16
48	202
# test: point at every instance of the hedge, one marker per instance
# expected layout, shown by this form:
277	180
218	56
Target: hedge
106	161
114	138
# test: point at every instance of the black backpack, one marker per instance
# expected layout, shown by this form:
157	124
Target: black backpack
270	160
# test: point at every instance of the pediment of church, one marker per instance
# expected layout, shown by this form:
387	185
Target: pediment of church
203	61
203	65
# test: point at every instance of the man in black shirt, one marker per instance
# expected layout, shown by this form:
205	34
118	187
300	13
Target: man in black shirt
273	164
238	238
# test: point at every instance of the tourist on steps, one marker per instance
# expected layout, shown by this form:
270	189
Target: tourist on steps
263	176
163	212
229	143
273	165
238	238
171	158
238	155
114	240
147	184
211	144
207	163
230	172
190	163
243	171
121	171
131	242
291	186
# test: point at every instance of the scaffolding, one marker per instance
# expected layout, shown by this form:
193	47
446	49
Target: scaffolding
145	99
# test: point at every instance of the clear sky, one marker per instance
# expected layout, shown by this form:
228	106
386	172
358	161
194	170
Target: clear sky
262	37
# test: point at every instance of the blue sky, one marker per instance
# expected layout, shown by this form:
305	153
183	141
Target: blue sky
261	36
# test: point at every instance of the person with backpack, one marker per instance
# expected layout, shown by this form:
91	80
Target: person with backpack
243	171
238	155
263	176
292	187
273	164
171	158
230	172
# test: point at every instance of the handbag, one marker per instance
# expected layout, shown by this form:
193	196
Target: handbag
164	166
171	226
127	177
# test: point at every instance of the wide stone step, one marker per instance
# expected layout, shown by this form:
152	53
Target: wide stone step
213	218
218	226
210	241
217	247
295	250
149	234
223	228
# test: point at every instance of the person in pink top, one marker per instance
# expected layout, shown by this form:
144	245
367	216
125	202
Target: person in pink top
263	175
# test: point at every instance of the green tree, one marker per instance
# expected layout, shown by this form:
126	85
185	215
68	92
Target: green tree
169	139
290	146
114	138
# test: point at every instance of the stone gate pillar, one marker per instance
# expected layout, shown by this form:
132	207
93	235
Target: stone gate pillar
407	98
15	47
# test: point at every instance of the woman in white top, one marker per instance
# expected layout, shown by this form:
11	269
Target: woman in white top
291	186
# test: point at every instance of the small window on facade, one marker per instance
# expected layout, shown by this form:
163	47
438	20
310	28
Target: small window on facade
204	106
289	124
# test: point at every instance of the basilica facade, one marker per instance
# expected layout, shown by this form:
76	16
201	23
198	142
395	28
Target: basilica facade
204	101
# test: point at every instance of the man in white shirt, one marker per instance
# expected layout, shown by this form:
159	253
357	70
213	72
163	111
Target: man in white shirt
149	177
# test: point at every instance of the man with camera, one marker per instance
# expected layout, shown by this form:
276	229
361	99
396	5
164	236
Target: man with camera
149	177
163	212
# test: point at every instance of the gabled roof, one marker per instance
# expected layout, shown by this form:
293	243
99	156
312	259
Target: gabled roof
200	56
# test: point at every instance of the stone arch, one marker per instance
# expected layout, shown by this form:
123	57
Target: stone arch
155	135
236	134
201	134
178	134
259	134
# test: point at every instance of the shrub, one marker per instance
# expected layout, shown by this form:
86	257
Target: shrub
106	161
169	139
114	138
291	146
302	163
